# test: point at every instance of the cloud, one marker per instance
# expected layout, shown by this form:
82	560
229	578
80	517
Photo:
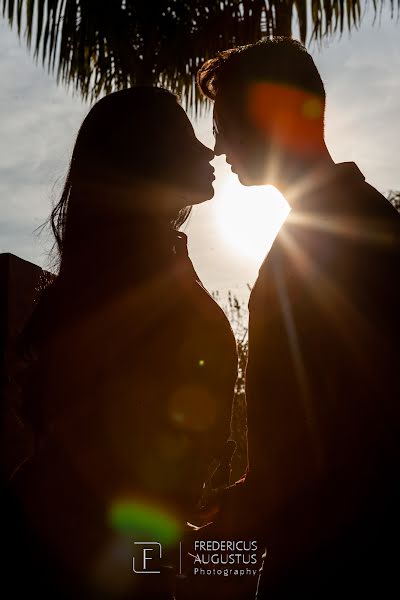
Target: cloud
361	76
38	122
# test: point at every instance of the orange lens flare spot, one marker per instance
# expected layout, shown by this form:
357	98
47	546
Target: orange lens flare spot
192	408
289	117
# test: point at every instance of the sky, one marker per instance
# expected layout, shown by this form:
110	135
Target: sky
39	121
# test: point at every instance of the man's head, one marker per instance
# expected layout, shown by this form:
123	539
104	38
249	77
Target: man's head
269	109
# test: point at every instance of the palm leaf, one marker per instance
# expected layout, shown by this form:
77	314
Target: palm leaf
96	47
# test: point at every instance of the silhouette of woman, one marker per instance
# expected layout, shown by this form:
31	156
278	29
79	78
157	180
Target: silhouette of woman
133	363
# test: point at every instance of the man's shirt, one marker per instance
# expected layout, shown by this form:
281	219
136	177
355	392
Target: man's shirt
323	390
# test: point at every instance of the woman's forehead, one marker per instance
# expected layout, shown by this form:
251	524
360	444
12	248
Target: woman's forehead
180	122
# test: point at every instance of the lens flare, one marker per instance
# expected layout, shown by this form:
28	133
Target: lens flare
144	521
288	116
193	408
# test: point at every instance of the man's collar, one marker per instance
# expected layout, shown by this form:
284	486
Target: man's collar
349	169
307	192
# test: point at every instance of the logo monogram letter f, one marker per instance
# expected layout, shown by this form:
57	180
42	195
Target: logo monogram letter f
146	558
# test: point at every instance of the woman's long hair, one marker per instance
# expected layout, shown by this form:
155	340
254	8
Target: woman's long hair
59	216
97	223
125	134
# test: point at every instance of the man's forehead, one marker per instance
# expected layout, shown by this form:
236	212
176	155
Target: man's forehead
224	107
218	106
230	107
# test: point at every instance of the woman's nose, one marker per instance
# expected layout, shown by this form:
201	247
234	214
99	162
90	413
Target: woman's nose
209	153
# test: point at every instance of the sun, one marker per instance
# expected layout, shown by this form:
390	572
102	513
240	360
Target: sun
249	218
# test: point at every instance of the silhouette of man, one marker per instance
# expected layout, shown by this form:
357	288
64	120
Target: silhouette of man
323	389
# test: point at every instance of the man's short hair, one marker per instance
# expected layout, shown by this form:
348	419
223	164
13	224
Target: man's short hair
279	60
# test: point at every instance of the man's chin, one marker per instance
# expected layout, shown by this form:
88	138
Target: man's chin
251	179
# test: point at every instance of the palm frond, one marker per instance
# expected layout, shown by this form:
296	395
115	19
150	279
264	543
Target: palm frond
96	47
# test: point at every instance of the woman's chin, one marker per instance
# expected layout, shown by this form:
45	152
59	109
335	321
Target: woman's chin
201	195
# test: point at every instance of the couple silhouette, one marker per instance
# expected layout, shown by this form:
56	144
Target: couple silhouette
131	364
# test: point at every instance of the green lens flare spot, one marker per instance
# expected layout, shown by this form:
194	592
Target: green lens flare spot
144	522
313	108
201	363
178	417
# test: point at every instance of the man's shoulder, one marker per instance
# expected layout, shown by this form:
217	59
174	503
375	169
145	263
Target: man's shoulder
349	183
376	217
348	219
